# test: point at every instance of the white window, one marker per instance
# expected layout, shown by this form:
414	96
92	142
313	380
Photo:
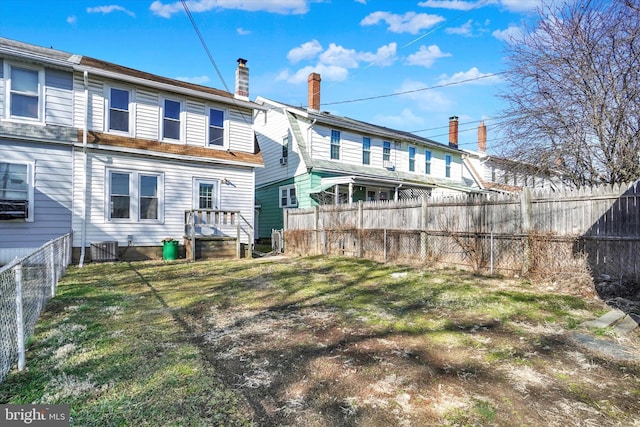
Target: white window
135	196
288	197
24	87
215	131
171	123
16	191
119	111
206	194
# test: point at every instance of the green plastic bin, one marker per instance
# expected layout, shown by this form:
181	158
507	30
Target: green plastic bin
170	250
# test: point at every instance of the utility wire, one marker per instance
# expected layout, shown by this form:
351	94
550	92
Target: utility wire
416	90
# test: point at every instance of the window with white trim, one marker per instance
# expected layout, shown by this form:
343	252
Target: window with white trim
285	146
135	196
216	128
16	191
206	194
119	116
447	166
366	150
288	197
427	162
171	123
24	88
335	144
412	159
386	151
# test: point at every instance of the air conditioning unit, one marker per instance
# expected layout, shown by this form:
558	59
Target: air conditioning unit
14	209
389	165
104	251
283	160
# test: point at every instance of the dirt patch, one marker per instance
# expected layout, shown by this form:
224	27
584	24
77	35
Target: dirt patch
318	366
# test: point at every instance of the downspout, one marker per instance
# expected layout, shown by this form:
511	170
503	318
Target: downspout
83	216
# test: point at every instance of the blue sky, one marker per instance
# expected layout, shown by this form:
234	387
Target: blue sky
396	63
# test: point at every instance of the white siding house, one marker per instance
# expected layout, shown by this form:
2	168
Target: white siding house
313	157
115	154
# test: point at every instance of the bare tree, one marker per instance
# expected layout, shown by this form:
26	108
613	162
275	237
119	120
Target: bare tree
574	91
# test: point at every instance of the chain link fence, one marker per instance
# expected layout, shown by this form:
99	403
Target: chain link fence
26	284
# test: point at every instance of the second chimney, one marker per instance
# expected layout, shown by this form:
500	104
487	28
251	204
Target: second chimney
313	92
482	137
242	80
453	131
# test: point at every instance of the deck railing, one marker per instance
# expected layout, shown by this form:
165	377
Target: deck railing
217	223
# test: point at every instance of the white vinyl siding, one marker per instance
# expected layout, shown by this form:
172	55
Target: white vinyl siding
196	123
58	97
147	113
177	179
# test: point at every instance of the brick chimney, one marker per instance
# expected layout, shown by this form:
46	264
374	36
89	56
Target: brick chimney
453	131
313	92
482	137
242	80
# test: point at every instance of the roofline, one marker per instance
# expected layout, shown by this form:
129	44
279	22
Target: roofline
75	63
394	134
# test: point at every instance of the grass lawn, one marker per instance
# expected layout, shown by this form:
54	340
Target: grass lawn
320	342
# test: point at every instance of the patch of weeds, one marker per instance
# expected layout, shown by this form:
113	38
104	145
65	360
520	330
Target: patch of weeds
478	412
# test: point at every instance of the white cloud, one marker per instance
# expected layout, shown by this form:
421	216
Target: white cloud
410	22
328	72
520	5
284	7
473	76
361	1
334	63
110	9
200	80
463	30
426	56
513	32
339	56
72	19
241	31
384	56
308	50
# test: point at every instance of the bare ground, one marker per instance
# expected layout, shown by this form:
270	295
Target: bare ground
311	364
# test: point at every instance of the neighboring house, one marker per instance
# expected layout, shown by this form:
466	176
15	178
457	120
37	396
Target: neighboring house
313	157
115	154
499	174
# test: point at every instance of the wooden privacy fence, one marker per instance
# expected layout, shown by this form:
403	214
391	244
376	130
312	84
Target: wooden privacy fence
589	230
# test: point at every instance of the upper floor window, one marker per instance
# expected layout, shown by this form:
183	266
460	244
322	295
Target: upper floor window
447	166
24	93
412	159
288	197
427	162
135	196
16	191
119	109
216	127
366	150
386	151
335	144
171	119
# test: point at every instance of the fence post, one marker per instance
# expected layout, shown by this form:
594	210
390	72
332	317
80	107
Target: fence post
384	251
53	271
360	225
423	229
19	318
316	222
525	218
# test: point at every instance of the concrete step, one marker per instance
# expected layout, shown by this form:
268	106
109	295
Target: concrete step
606	320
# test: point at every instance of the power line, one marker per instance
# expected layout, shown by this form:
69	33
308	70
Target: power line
416	90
